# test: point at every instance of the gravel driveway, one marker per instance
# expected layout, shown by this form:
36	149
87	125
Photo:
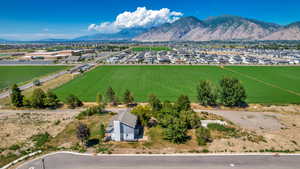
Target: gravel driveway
250	120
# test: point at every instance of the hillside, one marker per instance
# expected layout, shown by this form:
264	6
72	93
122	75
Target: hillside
226	27
289	32
171	31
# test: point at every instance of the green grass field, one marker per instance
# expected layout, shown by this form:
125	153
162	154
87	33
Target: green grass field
150	48
10	75
269	85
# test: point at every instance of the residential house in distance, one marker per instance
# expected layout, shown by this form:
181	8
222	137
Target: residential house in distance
124	127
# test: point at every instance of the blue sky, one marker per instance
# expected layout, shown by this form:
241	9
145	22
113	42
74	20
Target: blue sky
38	19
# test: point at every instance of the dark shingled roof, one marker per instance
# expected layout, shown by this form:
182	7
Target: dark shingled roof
124	117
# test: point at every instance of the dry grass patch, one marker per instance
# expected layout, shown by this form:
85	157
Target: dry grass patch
67	137
17	127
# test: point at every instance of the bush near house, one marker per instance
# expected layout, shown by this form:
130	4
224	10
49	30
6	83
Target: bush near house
203	136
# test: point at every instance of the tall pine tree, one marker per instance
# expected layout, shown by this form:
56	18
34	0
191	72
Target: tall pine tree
16	96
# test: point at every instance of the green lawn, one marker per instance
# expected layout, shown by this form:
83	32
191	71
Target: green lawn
10	75
276	85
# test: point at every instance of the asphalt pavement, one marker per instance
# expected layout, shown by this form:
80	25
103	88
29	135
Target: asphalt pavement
73	161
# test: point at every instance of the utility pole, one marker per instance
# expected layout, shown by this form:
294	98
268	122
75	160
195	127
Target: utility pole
43	163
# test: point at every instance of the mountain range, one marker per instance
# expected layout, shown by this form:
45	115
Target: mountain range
225	27
125	34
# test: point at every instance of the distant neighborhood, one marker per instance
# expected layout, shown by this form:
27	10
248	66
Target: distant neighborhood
149	53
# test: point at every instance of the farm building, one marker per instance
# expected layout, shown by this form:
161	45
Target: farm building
124	127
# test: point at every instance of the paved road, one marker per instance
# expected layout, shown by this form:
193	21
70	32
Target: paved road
71	161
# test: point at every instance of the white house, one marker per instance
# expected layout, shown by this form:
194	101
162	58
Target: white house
124	127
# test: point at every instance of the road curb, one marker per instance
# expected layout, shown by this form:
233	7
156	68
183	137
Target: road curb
159	155
21	159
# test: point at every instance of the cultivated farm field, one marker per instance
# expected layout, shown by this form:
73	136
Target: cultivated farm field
264	84
10	75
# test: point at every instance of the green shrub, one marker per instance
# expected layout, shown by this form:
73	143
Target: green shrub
57	122
51	100
91	111
73	101
5	159
41	139
37	99
219	127
205	151
102	148
176	131
14	147
203	136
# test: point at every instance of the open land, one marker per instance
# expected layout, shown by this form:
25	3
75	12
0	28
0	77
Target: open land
251	133
264	84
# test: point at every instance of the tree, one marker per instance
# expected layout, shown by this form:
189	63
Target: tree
205	93
73	101
110	95
191	118
51	100
143	113
232	92
82	132
183	103
16	96
128	98
102	131
90	112
37	99
176	132
99	99
27	102
155	103
203	136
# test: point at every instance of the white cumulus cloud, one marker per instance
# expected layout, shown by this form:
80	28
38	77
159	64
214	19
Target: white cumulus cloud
142	17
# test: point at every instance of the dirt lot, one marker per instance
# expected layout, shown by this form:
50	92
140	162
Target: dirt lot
250	120
279	131
18	125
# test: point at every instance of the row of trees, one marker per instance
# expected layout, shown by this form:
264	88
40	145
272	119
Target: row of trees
38	99
111	97
231	93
